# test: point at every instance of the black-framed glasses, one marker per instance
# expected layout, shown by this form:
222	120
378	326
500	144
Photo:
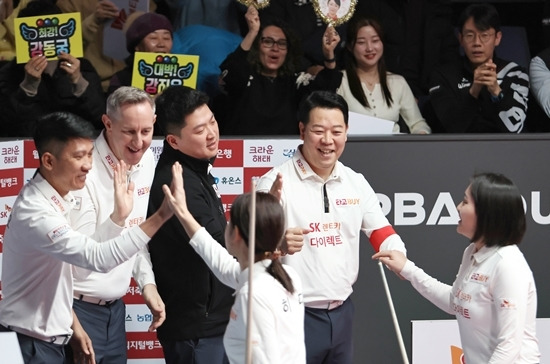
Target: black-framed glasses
470	37
269	42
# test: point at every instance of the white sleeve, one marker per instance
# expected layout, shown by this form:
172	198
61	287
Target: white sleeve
84	218
440	294
510	295
224	266
143	269
539	76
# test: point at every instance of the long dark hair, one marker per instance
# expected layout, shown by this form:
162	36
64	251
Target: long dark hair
270	228
292	59
351	62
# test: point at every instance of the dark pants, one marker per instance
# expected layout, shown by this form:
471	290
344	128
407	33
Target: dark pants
105	325
207	350
328	335
37	351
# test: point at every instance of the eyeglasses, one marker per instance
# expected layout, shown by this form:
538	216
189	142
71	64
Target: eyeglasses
269	42
470	37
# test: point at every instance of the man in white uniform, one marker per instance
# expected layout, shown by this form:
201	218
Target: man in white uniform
40	246
128	133
327	205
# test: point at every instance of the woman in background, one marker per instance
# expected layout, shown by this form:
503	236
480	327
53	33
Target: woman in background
369	88
493	296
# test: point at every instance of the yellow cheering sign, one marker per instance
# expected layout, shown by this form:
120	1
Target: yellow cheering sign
48	35
154	72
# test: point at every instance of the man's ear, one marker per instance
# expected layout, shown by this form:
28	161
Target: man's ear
172	141
498	38
47	161
302	128
106	122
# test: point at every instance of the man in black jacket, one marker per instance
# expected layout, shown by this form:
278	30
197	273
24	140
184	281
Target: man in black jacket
197	304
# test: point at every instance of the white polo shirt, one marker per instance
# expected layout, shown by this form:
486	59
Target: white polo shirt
39	248
95	203
494	299
335	211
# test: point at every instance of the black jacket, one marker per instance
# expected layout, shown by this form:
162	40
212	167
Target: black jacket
197	304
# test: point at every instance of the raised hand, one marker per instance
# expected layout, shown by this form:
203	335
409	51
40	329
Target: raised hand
124	194
71	65
105	10
35	66
277	187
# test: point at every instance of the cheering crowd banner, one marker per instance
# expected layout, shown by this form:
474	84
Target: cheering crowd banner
154	72
48	35
419	180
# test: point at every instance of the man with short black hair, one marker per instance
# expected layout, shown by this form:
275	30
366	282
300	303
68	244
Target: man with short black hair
327	206
40	245
197	303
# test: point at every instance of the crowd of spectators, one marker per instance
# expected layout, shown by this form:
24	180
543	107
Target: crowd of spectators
435	72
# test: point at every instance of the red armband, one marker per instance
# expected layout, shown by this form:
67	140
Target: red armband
378	236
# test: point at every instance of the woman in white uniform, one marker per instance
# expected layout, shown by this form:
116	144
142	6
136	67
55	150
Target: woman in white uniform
278	310
493	296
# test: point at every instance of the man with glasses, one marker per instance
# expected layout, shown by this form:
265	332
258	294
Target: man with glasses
481	93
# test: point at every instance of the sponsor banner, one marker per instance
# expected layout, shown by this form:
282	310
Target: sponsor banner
31	155
133	294
11	181
156	147
229	180
143	345
250	173
11	154
267	152
230	154
138	318
6	204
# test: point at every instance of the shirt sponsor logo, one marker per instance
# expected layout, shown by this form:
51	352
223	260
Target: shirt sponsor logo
143	191
347	201
479	277
58	203
464	312
507	303
58	232
110	161
301	166
463	296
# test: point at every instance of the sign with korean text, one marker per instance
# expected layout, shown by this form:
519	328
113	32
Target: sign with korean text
154	72
48	35
113	34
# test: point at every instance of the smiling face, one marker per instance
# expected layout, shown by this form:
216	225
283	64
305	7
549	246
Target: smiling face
157	41
272	58
70	165
129	134
479	45
199	137
324	139
368	47
468	218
